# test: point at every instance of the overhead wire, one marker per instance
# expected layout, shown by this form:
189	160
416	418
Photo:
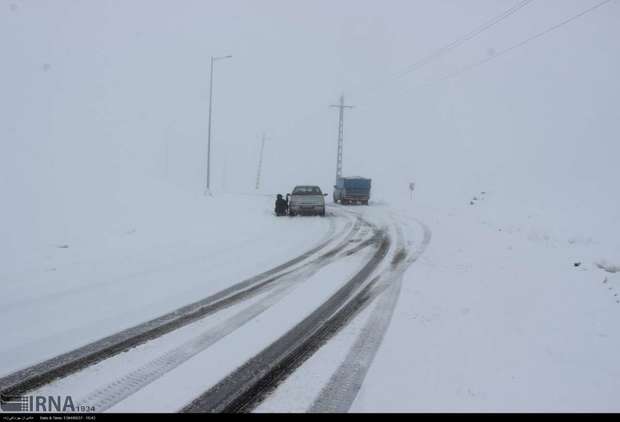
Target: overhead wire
463	39
525	41
470	35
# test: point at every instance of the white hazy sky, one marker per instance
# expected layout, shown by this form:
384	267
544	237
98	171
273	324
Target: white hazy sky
91	90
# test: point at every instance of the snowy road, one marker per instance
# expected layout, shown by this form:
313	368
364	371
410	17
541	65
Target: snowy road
232	350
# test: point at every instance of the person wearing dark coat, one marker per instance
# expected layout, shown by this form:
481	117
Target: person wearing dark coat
281	206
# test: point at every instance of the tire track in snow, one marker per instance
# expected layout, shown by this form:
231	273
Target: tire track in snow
60	366
243	389
339	393
119	389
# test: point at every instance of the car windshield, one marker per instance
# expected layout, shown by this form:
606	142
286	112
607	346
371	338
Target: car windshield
307	190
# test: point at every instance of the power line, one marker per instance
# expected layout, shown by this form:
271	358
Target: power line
525	42
447	48
507	50
463	39
454	44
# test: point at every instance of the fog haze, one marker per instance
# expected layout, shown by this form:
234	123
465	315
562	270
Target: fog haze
94	91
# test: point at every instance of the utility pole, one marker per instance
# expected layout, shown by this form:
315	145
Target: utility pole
260	161
341	106
208	186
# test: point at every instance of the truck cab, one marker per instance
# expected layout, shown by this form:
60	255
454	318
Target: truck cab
352	190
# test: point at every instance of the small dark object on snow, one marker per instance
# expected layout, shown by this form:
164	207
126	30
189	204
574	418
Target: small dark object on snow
281	206
471	202
63	246
577	264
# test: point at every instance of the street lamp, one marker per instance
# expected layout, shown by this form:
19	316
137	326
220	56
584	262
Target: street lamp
213	59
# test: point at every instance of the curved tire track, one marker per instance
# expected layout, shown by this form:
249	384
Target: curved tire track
339	393
60	366
120	388
247	385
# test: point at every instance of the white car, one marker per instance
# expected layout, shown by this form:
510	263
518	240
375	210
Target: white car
306	200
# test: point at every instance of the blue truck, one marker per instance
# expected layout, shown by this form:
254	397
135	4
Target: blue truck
352	190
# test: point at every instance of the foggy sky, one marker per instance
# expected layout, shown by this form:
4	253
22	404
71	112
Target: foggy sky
96	89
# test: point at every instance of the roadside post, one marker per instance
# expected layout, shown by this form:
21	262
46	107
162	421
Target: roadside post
411	189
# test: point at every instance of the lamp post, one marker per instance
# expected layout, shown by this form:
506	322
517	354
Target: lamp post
213	59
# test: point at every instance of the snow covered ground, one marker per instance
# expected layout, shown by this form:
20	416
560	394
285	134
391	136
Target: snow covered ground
499	313
82	274
496	316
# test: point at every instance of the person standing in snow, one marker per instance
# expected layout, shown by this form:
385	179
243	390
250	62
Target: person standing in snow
281	206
